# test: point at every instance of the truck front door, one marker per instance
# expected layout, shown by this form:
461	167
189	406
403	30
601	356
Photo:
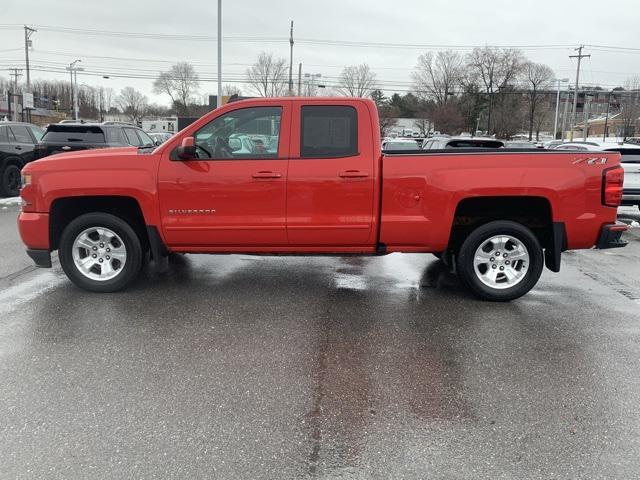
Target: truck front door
330	191
234	194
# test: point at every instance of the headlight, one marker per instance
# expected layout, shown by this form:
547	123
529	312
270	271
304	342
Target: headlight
26	180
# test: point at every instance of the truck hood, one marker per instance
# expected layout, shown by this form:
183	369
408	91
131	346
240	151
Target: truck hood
91	153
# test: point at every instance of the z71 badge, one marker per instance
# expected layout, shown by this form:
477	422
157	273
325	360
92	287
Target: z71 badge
591	161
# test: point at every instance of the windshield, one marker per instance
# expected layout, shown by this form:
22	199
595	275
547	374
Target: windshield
66	134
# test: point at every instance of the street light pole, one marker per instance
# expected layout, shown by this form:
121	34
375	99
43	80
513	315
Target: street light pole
219	98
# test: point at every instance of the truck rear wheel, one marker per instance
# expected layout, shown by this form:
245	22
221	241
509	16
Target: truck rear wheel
500	261
100	252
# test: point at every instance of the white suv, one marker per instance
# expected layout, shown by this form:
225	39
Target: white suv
630	162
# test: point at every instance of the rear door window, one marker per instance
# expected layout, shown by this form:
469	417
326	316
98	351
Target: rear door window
132	137
4	134
116	136
21	134
146	139
328	131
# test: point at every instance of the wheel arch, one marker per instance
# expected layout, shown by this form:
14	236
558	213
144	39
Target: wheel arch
65	209
534	212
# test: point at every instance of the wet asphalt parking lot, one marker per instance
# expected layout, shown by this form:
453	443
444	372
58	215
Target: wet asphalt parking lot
323	367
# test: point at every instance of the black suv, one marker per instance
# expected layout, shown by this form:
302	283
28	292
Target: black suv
67	137
17	143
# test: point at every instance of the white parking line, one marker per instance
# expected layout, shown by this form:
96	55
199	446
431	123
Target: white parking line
14	296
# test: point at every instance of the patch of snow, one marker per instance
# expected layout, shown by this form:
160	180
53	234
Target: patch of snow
10	201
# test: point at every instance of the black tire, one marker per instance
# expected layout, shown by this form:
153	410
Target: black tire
10	181
466	254
134	254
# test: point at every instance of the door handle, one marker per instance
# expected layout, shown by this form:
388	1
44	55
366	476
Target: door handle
353	174
265	174
18	147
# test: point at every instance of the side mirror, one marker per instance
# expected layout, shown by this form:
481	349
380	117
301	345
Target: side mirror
157	142
187	150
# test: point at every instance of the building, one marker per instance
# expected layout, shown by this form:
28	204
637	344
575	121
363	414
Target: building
613	123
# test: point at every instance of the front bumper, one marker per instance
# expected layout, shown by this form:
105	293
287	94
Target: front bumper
611	235
34	232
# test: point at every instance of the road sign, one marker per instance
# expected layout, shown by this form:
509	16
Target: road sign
27	100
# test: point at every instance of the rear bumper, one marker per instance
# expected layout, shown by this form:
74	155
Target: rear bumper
611	236
631	196
42	258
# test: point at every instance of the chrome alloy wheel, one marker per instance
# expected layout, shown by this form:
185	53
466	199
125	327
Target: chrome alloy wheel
501	261
99	253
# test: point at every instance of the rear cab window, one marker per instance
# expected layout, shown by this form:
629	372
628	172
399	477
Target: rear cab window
328	131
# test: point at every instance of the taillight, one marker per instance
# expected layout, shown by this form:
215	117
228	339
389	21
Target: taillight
612	180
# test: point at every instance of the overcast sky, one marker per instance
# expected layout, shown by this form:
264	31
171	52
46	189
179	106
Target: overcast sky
259	25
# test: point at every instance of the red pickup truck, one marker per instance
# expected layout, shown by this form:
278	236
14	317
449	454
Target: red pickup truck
307	176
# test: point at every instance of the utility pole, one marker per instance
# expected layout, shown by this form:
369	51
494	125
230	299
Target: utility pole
300	79
73	70
291	60
28	31
580	56
15	76
564	113
219	98
587	104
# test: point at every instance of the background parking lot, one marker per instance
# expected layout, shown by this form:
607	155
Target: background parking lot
292	367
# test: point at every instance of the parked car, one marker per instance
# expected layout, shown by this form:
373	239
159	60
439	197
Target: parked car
67	137
159	137
630	160
441	143
17	143
500	216
552	144
519	144
400	144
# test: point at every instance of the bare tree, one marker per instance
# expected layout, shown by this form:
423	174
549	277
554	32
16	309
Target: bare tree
536	75
437	76
230	90
495	69
268	76
543	116
180	83
356	81
630	106
132	103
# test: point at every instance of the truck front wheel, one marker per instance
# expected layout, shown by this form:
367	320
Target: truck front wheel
500	261
100	252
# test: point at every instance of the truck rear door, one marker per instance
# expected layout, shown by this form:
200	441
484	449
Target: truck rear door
331	181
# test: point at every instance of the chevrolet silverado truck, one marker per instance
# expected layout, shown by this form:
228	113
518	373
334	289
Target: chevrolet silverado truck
299	176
